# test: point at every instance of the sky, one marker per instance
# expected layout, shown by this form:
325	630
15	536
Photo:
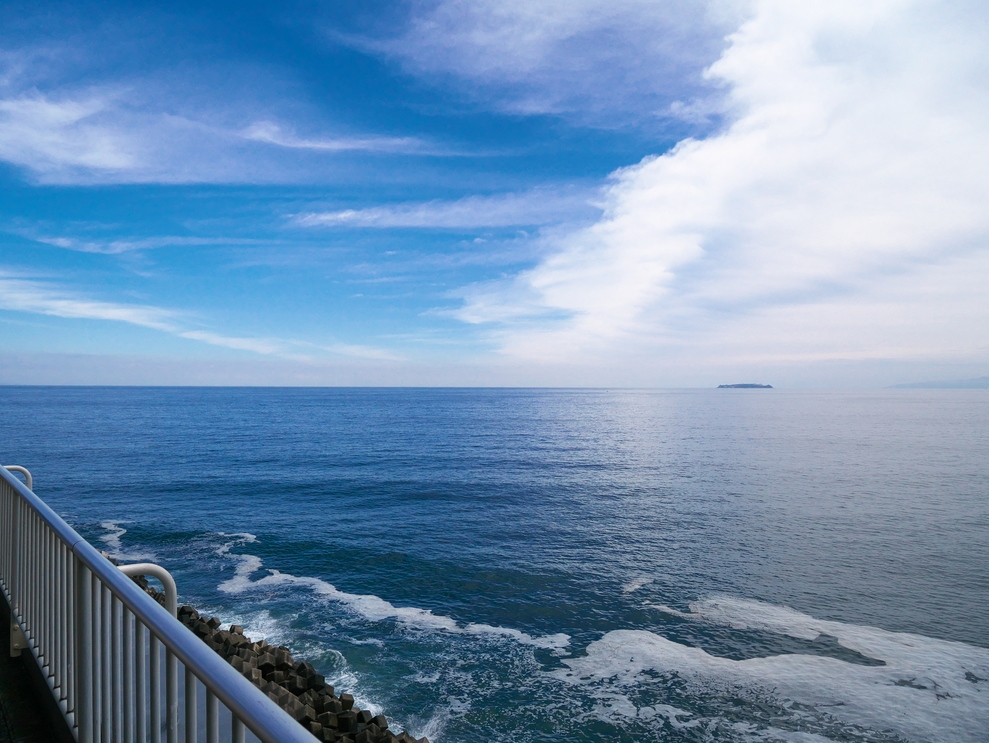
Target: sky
613	193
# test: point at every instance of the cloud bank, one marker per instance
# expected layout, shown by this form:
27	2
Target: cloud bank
840	214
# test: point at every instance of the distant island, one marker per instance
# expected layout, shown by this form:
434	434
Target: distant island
745	386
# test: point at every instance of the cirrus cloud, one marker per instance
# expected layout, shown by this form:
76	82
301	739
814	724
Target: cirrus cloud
607	64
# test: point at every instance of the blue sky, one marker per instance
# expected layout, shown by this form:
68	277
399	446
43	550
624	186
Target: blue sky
550	193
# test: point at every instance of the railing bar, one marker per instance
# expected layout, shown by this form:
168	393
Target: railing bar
61	628
84	653
32	628
49	638
15	540
12	514
68	585
34	619
190	707
107	620
53	646
96	661
38	616
140	685
127	659
16	550
42	597
44	615
23	566
72	636
58	636
31	610
27	611
172	695
62	633
236	729
24	571
155	684
116	664
39	596
212	718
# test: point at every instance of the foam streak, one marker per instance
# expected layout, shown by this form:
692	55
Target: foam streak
371	607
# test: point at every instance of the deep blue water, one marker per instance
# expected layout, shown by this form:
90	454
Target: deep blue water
561	565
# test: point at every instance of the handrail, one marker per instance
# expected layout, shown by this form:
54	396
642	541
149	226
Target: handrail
82	577
23	470
156	571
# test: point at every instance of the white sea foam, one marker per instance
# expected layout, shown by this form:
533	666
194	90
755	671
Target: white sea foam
373	641
635	584
113	540
371	607
671	714
745	614
928	690
550	642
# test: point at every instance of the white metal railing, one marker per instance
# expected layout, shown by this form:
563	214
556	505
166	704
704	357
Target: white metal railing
109	652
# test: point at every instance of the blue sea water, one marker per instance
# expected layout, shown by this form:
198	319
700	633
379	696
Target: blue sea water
563	565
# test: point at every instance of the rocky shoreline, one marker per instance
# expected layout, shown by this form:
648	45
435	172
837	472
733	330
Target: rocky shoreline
293	685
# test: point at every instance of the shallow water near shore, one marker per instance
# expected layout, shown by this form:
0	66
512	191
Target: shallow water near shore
544	565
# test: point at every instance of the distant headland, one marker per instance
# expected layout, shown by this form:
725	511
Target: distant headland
745	386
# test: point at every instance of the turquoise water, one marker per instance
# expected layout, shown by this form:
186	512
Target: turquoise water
559	565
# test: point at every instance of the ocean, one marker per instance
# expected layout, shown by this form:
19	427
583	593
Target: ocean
562	565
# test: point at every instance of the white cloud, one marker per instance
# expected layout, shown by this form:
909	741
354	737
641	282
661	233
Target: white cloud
854	173
20	294
270	133
26	295
48	135
536	207
605	62
257	345
127	245
146	132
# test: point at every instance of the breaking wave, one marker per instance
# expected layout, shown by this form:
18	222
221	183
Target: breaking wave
369	606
